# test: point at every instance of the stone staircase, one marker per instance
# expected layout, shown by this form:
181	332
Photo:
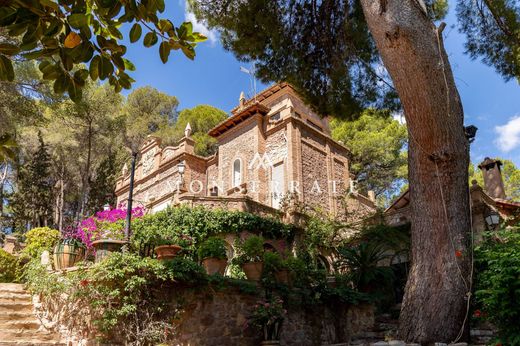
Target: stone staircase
18	324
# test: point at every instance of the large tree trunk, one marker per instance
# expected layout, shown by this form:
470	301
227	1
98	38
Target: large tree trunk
411	47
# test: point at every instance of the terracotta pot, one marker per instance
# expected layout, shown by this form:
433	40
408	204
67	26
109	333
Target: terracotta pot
214	265
253	270
167	252
283	277
105	247
66	254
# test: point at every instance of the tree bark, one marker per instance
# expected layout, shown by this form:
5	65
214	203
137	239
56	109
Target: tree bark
434	305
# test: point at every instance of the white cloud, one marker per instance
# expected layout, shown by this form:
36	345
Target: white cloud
399	116
200	27
508	134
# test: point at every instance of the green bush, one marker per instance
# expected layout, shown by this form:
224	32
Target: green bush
497	289
8	266
200	223
249	250
212	247
40	239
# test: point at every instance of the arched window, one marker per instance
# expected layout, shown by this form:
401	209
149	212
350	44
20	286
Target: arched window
237	173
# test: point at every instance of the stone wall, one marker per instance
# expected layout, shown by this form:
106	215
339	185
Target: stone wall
210	317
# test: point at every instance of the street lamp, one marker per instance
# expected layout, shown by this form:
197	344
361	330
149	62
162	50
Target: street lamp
492	219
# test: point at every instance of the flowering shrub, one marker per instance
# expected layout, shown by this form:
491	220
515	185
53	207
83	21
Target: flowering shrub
8	266
106	224
268	315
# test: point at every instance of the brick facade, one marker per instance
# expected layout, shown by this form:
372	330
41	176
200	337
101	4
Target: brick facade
269	147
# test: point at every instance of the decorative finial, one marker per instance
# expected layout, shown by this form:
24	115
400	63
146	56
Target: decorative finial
187	130
242	99
125	169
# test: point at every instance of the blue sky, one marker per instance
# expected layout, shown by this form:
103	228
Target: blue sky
214	78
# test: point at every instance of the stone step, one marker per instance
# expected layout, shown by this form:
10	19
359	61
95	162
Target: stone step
27	335
16	324
31	343
10	316
16	307
15	297
12	288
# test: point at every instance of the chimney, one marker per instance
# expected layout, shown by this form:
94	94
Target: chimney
493	183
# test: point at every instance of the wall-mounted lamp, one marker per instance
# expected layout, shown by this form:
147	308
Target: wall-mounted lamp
492	219
181	166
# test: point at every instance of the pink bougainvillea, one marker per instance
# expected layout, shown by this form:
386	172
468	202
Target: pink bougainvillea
105	224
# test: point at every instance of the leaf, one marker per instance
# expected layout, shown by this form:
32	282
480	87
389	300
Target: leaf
114	32
51	4
7	15
164	51
74	91
129	65
6	69
94	67
72	40
135	33
105	68
150	39
189	52
77	20
61	84
8	49
198	37
165	25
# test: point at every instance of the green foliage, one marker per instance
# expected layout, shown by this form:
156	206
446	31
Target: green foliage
40	239
185	271
377	143
249	250
201	118
8	266
33	200
7	148
273	262
147	111
63	36
212	247
492	30
324	50
497	289
268	316
200	223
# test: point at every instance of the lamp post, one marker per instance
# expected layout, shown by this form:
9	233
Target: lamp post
130	197
492	219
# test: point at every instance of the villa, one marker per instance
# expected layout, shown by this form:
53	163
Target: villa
272	149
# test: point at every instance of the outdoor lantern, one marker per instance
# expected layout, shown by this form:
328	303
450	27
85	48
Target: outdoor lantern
492	219
181	166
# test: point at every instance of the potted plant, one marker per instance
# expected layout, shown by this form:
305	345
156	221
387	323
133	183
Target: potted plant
250	257
277	267
268	316
170	245
212	253
68	252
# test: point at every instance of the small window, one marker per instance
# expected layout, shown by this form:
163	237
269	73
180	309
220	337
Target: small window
237	173
275	117
213	191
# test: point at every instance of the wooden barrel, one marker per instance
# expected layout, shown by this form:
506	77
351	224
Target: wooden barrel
67	253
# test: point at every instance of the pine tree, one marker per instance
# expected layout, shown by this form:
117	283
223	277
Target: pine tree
32	203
